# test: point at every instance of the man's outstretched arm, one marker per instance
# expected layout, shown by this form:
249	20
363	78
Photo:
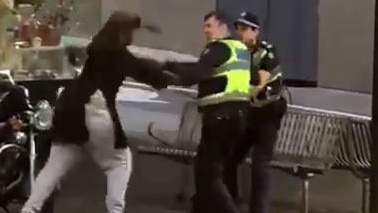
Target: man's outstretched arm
191	73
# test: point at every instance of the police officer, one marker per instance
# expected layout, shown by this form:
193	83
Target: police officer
267	108
223	76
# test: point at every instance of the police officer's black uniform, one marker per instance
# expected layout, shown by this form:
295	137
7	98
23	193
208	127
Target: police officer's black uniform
221	122
264	119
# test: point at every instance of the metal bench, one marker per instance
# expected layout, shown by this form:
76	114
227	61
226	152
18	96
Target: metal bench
354	152
307	145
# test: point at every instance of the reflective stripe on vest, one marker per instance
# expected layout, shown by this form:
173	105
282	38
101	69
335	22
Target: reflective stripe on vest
236	70
258	56
239	65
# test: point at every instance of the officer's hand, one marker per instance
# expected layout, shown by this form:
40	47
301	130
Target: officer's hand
255	90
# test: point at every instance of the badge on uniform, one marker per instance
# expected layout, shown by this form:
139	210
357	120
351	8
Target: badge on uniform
270	55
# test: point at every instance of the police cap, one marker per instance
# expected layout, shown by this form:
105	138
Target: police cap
248	19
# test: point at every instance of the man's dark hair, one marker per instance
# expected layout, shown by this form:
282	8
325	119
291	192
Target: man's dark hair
220	16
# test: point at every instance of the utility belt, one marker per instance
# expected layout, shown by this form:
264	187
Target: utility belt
270	93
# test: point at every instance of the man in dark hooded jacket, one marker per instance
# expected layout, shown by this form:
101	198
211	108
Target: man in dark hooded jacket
80	125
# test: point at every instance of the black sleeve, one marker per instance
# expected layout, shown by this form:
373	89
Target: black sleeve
270	60
117	65
150	72
215	54
144	70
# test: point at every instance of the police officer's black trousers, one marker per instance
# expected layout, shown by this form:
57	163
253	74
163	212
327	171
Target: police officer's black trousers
261	134
219	130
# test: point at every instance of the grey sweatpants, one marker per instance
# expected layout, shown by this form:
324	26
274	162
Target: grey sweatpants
116	164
